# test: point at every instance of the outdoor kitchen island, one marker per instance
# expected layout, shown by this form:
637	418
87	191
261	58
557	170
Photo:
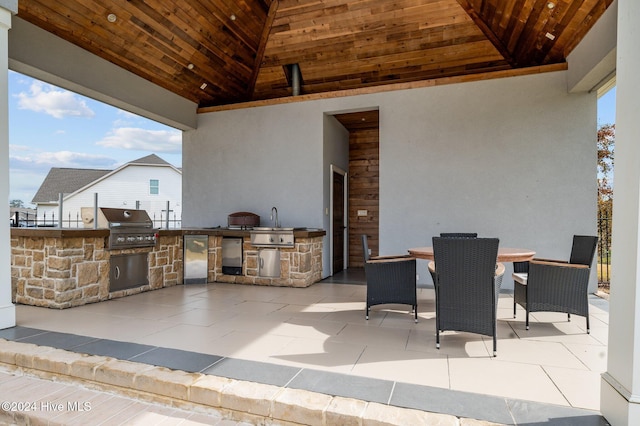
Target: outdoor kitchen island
61	268
300	263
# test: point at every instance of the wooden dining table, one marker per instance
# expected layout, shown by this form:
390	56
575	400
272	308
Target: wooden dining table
505	254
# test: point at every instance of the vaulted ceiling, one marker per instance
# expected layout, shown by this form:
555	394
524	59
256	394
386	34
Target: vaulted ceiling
218	52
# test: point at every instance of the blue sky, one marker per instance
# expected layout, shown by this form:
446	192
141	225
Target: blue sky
607	108
52	127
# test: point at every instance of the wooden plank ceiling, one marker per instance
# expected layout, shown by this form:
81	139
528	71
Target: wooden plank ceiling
218	52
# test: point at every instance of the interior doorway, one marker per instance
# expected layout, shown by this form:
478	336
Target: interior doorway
363	190
338	219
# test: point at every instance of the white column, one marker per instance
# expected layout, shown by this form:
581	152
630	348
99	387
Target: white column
7	309
620	392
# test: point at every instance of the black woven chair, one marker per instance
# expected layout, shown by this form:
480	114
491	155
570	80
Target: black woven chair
468	282
557	285
390	279
450	235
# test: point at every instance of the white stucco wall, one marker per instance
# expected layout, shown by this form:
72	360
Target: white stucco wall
513	158
254	159
593	62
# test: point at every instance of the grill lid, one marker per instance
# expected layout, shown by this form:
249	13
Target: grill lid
116	218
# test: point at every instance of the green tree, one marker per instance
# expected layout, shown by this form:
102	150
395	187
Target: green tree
606	145
16	203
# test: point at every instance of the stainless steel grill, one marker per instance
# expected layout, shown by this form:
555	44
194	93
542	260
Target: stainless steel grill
128	228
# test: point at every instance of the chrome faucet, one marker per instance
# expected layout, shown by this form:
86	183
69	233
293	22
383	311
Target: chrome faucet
276	224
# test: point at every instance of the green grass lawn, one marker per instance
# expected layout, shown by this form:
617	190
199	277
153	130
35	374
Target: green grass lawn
604	272
604	276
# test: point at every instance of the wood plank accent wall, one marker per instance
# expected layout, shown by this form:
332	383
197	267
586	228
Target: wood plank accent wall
364	189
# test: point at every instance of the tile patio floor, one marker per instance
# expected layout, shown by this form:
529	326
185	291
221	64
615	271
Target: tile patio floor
322	329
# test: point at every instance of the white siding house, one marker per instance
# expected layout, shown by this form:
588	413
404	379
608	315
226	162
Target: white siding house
149	183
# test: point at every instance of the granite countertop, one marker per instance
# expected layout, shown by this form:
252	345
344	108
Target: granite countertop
58	232
226	232
89	232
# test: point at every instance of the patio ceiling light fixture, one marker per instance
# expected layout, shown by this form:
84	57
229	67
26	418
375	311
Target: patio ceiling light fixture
551	5
112	17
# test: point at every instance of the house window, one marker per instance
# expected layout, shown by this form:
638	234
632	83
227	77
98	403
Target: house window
154	186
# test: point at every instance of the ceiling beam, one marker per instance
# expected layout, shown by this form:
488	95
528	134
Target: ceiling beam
389	87
487	31
266	30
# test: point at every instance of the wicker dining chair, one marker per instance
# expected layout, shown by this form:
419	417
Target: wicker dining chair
557	285
449	235
390	280
467	285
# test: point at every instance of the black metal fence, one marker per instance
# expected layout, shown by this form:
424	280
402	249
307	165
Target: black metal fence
32	220
604	251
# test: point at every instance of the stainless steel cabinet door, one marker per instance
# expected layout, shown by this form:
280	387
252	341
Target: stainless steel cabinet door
128	271
196	249
269	263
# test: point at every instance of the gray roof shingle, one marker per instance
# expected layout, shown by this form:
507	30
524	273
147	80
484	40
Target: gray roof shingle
65	180
149	159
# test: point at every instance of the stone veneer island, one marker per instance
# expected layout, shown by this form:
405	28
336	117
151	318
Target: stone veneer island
62	268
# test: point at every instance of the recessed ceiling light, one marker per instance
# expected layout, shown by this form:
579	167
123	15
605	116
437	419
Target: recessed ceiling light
203	86
112	17
551	5
190	66
232	17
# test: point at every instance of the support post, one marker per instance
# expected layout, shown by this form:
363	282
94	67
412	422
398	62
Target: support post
620	387
167	218
95	210
7	308
60	209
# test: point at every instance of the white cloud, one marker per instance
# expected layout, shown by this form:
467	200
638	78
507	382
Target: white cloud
127	114
126	119
15	148
135	138
28	167
24	159
51	100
